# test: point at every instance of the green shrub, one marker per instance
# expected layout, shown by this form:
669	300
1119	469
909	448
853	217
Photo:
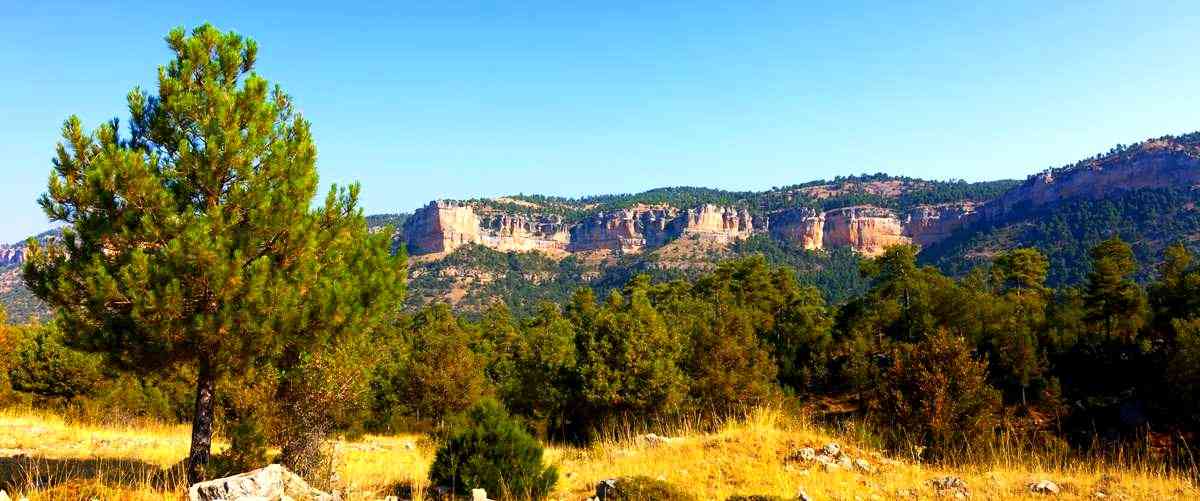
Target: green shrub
641	488
492	451
935	394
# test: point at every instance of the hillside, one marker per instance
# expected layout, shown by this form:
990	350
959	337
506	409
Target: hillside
524	249
45	458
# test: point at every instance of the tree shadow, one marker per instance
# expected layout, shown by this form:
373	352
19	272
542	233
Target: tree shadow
23	473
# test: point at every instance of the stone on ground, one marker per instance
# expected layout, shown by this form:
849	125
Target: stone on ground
272	483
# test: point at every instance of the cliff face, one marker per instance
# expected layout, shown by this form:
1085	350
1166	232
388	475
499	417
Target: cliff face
11	255
802	226
722	224
508	232
929	224
1153	164
869	230
866	229
627	230
441	227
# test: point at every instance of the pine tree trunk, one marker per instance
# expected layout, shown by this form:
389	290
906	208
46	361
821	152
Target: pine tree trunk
202	423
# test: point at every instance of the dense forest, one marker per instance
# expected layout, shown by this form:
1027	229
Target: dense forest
1092	366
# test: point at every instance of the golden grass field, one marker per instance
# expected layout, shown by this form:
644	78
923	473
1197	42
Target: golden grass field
43	457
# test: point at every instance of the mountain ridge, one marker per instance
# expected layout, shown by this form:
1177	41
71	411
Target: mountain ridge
672	232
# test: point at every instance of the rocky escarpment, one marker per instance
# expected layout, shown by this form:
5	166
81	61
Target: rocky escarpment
441	227
626	230
1160	163
929	224
867	229
11	255
509	232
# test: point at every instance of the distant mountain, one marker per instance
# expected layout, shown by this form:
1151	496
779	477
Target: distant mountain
524	249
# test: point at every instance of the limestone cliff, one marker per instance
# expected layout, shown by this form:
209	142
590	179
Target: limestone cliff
1161	163
11	255
515	232
721	224
929	224
441	227
866	229
626	230
802	226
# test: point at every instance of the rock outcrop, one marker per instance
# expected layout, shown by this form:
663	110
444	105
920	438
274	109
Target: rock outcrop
509	232
802	226
1153	164
929	224
626	230
866	229
441	227
723	224
273	482
11	255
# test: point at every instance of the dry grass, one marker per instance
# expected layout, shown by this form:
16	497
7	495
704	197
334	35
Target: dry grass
73	461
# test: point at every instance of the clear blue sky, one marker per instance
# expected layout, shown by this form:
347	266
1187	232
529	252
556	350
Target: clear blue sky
426	101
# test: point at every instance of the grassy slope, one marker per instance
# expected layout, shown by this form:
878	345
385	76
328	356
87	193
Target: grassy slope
67	461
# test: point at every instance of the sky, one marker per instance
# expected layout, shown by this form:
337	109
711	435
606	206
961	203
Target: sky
428	100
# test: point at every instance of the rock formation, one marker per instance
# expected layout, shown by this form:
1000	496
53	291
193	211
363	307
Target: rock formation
626	230
1153	164
11	255
929	224
508	232
441	227
722	224
867	229
802	226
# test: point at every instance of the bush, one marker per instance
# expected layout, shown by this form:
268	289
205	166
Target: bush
935	394
492	451
642	488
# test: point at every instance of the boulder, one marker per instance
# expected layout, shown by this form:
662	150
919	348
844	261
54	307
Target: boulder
4	496
1044	487
272	483
831	449
653	440
950	486
479	495
863	466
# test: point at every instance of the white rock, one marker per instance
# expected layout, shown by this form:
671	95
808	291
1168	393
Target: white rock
831	449
1044	487
273	482
863	465
652	439
4	496
479	495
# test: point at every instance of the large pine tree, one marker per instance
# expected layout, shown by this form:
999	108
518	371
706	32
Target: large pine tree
192	241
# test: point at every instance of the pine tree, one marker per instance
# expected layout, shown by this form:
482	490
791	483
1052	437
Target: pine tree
192	240
1115	304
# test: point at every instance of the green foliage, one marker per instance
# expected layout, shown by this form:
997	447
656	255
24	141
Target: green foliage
642	488
43	366
1066	232
1183	371
429	370
492	451
628	360
935	394
191	240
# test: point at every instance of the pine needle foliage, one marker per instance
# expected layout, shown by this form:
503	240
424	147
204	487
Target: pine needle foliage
192	240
